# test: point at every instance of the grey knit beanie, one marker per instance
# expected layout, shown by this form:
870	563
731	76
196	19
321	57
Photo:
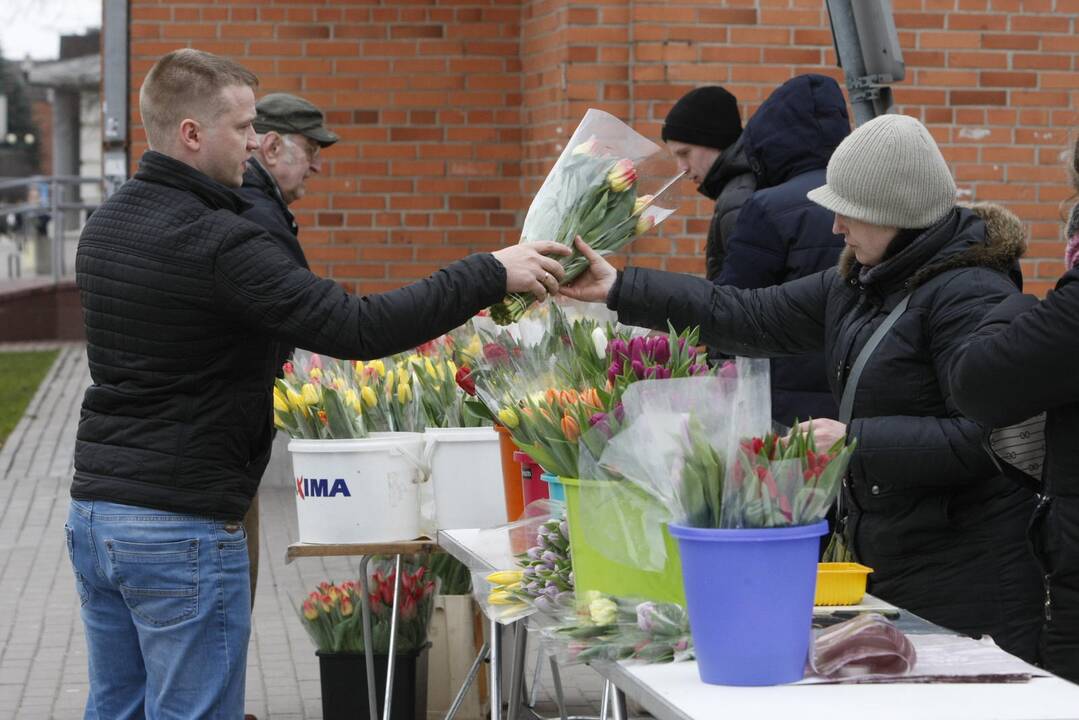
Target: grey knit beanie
888	172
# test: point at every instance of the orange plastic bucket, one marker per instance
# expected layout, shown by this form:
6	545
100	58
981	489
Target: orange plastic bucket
511	475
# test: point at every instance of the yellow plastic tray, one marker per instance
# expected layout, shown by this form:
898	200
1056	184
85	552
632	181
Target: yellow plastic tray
840	583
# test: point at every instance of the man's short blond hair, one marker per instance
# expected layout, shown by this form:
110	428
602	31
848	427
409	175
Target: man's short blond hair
186	83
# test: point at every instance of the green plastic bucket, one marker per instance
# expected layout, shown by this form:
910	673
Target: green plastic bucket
622	516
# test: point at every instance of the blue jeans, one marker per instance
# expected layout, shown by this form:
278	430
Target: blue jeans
166	603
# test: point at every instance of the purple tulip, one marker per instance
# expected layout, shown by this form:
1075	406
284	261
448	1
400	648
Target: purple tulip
638	369
619	412
663	373
534	553
636	348
696	369
549	558
551	591
650	373
533	588
661	352
728	370
543	604
618	350
563	528
614	370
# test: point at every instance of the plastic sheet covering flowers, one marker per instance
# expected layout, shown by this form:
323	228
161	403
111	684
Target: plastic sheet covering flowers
332	614
608	628
594	191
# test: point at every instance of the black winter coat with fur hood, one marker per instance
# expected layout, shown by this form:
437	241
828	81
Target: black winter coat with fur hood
929	512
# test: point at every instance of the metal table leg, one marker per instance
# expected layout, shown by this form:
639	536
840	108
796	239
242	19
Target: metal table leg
392	657
496	670
605	701
517	669
556	676
368	650
469	679
618	703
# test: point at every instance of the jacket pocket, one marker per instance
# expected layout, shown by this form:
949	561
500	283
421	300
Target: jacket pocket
158	580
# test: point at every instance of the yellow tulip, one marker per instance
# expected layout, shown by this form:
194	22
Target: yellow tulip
430	368
402	375
353	400
296	401
379	366
310	393
509	418
280	401
452	368
278	422
501	597
641	203
415	359
369	397
315	373
404	392
505	577
390	378
358	367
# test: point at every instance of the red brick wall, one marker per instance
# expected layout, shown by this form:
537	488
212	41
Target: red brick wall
451	111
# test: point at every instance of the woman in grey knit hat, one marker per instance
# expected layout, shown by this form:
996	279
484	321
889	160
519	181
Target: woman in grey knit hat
924	504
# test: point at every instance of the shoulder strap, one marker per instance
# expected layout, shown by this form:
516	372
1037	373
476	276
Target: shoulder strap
846	404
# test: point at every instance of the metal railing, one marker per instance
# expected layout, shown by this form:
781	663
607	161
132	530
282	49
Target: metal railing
52	209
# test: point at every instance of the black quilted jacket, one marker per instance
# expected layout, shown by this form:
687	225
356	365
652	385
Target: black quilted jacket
183	302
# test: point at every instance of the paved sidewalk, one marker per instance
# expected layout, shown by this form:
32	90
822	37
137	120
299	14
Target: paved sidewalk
42	648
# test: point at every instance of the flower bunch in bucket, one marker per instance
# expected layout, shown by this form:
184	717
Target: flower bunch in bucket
316	398
332	615
610	628
592	192
656	357
547	425
391	394
444	399
783	479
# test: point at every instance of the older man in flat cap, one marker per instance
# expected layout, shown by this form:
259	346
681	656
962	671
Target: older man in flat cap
291	133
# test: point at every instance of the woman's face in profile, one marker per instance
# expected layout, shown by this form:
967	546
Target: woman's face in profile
869	242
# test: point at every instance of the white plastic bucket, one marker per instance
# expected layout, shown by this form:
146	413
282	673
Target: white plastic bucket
358	491
466	475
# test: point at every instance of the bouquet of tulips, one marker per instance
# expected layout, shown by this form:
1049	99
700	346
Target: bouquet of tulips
608	628
437	375
316	398
332	615
593	192
391	394
780	480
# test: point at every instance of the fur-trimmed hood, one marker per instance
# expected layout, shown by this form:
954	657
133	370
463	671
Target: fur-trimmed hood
982	235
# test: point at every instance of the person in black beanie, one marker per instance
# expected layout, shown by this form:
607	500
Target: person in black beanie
703	132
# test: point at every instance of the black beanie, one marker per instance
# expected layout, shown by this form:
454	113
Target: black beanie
705	116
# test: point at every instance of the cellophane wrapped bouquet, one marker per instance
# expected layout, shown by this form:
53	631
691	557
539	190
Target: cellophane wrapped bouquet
596	191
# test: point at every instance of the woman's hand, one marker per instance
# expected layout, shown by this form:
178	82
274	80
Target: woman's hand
594	284
825	432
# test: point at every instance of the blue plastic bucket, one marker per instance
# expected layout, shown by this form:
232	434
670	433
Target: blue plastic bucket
555	487
750	599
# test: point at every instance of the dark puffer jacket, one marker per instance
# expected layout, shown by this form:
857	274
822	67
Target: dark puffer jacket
929	512
729	182
782	235
184	302
1018	363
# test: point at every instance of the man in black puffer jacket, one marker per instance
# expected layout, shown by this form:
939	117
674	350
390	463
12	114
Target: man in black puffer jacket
185	304
941	527
781	235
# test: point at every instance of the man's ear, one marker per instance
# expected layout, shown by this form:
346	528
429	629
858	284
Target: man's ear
271	146
190	134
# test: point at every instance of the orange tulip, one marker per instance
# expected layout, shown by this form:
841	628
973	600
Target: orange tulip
591	397
570	428
568	397
552	396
